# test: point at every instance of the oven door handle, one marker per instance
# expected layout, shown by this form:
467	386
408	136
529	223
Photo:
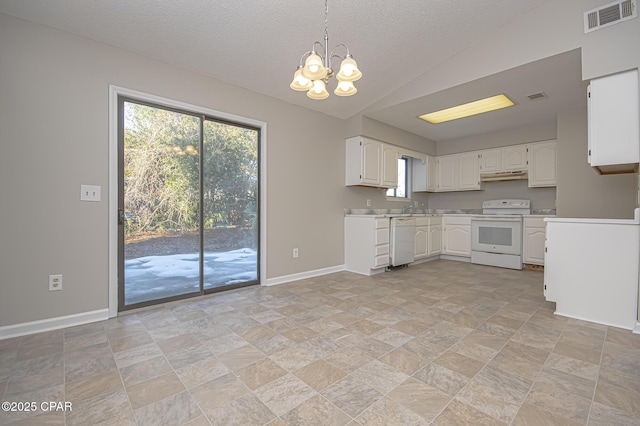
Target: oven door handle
496	219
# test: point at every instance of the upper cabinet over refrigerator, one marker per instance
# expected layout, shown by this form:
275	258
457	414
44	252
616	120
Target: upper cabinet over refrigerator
614	123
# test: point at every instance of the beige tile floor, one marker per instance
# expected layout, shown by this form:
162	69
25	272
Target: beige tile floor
443	343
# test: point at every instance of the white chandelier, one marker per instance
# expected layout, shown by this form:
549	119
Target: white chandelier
314	75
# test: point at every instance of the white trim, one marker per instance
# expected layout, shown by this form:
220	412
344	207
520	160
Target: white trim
608	324
114	92
304	275
56	323
113	201
456	258
636	329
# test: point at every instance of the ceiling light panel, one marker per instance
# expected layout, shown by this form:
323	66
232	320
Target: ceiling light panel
466	110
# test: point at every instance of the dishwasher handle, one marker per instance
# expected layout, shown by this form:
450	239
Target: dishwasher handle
403	221
496	219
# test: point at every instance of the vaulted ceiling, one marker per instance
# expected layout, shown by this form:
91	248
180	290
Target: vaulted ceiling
258	44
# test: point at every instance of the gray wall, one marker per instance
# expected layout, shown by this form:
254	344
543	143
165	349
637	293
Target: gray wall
541	198
581	191
54	137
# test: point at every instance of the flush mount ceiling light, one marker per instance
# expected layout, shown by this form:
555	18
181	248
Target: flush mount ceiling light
466	110
317	70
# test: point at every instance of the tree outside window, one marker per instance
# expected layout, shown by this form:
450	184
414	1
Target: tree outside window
402	190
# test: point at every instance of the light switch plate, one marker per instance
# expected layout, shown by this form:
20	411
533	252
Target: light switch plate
89	193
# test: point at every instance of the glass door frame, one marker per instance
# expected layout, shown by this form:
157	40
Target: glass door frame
116	273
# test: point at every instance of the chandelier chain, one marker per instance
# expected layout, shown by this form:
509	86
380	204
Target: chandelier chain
326	14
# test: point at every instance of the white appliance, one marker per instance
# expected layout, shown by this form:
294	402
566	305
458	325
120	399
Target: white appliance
403	240
496	236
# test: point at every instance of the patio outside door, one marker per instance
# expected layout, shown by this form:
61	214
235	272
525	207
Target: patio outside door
188	204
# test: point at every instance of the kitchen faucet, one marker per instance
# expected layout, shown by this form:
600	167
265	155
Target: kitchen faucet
406	209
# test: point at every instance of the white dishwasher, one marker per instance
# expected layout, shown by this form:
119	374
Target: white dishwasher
403	240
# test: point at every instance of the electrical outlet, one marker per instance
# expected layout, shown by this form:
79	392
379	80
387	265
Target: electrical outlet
295	252
368	203
55	282
89	193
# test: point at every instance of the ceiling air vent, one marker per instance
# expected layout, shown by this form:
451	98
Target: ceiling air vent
609	14
536	96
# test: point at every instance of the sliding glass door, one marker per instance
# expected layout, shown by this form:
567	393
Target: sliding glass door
188	204
230	204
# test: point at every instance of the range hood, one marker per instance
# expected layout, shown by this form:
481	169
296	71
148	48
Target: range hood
498	176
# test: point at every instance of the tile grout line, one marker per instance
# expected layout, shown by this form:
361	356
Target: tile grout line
595	388
533	382
487	363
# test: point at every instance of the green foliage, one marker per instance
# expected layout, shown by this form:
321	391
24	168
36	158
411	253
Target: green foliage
162	172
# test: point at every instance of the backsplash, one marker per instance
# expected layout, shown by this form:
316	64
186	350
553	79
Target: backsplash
541	198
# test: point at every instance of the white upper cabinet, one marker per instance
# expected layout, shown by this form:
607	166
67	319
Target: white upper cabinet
469	171
447	173
542	164
371	163
432	174
503	159
491	160
458	172
424	174
614	123
389	166
514	157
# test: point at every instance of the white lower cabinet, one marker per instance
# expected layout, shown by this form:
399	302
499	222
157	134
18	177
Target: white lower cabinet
366	244
591	272
533	240
422	238
428	237
434	236
456	239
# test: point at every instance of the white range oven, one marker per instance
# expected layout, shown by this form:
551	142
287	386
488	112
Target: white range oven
496	235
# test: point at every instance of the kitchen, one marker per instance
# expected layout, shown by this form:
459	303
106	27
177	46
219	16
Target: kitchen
495	235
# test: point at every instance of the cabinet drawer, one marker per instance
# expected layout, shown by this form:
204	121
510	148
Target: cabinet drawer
382	236
382	223
382	260
456	220
534	222
382	249
435	220
422	221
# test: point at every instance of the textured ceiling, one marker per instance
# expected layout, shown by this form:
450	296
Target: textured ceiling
257	44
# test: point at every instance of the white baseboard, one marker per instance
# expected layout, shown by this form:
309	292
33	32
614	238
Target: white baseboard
304	275
56	323
636	329
456	258
425	260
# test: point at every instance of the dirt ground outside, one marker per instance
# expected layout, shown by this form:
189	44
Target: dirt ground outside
168	243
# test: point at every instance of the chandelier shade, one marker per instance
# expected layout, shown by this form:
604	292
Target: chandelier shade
345	88
300	83
315	69
318	91
349	70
